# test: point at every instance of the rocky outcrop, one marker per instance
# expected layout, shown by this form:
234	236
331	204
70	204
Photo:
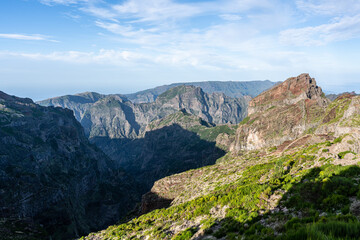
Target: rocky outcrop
341	117
51	175
281	114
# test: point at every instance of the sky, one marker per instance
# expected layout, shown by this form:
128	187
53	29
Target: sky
55	47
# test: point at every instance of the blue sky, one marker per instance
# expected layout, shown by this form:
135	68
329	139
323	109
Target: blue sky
55	47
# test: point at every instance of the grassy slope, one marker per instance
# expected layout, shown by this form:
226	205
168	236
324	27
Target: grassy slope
265	196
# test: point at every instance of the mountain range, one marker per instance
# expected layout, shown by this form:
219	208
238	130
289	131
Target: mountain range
279	164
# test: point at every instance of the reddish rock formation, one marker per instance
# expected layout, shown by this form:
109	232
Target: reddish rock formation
281	114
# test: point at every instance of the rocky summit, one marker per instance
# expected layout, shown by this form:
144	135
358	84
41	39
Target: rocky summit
54	183
281	114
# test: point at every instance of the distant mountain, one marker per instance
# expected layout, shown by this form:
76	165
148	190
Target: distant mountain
333	96
51	176
229	88
79	103
114	116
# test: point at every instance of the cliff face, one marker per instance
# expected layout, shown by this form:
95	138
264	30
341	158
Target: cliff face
79	103
114	116
51	175
281	114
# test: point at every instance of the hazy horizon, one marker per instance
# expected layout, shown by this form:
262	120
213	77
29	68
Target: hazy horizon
51	48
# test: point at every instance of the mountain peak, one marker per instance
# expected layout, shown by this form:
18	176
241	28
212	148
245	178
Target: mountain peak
289	92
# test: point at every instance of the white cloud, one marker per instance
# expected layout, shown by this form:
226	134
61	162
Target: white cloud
342	29
329	7
155	10
36	37
103	56
230	17
62	2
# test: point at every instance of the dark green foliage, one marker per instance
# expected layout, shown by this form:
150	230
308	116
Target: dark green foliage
343	154
186	235
245	121
325	229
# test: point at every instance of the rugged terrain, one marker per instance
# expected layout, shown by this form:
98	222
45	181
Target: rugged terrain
53	181
298	180
154	140
114	116
234	89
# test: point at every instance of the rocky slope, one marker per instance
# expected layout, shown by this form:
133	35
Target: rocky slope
283	113
234	89
306	187
53	181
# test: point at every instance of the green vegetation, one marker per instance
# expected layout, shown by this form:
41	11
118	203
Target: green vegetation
320	198
173	92
245	121
210	134
186	235
343	154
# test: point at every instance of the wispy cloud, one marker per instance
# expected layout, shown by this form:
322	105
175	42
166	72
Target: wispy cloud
62	2
231	17
329	7
103	56
341	29
34	37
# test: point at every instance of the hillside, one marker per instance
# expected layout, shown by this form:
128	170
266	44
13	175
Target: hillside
304	187
53	181
236	89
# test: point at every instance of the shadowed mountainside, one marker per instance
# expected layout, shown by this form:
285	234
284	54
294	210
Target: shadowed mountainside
161	152
51	175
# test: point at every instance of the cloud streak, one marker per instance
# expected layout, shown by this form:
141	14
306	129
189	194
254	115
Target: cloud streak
32	37
62	2
343	29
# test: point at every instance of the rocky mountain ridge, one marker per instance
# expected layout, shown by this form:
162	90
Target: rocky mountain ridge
114	116
235	89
